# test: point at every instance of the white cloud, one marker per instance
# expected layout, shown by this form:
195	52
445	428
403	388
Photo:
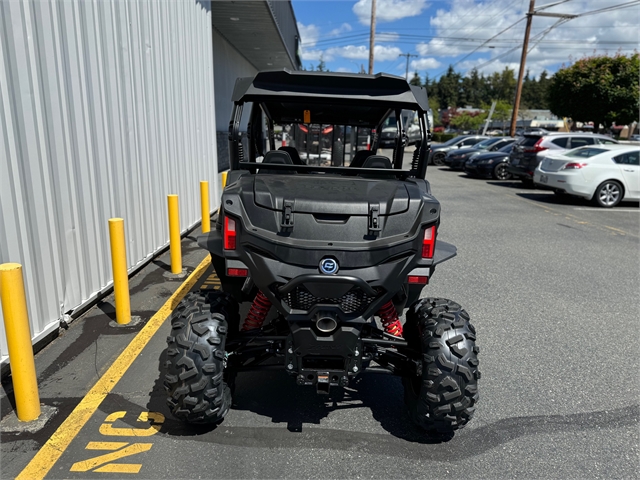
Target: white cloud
308	34
315	55
425	64
381	53
344	28
388	10
349	51
469	23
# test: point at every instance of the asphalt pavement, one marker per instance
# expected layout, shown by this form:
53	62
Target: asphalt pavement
551	286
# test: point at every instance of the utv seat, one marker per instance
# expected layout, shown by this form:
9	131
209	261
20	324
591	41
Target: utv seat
276	157
360	157
293	153
377	161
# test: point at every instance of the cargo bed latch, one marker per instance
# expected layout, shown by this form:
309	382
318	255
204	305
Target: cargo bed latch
374	218
287	214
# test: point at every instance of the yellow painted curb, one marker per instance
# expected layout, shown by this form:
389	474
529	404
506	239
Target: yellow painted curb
64	435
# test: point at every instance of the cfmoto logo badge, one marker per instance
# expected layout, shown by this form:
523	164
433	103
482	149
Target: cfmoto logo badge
329	266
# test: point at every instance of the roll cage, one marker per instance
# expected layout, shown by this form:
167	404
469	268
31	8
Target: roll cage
349	101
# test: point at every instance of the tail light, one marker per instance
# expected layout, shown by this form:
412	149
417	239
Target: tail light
537	147
429	242
237	272
418	279
327	130
573	166
229	233
303	128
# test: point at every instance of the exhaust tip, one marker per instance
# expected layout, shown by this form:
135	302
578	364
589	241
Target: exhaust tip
326	323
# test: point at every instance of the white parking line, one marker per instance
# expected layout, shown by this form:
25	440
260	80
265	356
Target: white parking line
610	210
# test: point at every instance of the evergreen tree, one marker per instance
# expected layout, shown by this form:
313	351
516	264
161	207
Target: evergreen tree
415	80
449	88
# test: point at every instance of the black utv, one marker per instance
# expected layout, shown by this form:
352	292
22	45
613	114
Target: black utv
326	258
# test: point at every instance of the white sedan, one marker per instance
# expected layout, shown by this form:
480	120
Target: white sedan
605	174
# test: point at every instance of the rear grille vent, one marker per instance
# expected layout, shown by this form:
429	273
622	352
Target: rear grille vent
354	301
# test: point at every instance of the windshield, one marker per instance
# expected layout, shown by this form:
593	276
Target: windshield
453	141
584	152
484	144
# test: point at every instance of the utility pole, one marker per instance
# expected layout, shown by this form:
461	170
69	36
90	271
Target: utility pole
372	35
523	60
408	55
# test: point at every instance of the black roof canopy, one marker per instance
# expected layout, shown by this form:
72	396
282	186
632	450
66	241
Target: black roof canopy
335	98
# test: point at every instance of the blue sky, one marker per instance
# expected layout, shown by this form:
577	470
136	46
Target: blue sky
459	33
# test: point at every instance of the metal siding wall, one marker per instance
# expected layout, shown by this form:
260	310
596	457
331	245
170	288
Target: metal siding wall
106	107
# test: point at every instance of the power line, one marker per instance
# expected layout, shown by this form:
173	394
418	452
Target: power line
408	55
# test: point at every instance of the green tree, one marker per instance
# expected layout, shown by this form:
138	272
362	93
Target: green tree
600	89
468	121
415	80
448	91
473	89
322	66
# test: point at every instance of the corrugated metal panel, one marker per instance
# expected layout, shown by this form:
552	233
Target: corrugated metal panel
105	108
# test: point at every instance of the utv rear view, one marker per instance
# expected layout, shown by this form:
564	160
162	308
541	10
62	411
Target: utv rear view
323	255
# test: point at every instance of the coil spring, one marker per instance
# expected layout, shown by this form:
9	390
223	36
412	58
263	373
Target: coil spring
416	157
257	313
390	321
240	151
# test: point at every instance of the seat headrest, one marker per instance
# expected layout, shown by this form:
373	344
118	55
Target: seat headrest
277	157
359	158
377	161
293	153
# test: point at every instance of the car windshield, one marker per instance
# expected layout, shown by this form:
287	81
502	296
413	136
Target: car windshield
584	152
506	148
484	144
453	141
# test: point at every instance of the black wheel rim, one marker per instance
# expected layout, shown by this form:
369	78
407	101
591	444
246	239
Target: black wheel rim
501	172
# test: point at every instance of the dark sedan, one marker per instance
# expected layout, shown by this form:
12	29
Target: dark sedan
456	159
490	164
439	152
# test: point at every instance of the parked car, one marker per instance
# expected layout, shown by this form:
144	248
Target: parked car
490	164
439	152
457	158
390	129
604	174
531	149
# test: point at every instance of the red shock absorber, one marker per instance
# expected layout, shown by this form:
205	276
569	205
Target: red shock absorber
257	313
390	321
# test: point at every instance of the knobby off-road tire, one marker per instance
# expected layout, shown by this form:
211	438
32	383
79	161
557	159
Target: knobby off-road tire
444	397
195	383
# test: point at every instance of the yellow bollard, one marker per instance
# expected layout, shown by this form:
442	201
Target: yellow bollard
224	184
174	235
119	267
204	207
16	323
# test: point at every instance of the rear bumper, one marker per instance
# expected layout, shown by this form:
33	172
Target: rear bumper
571	183
520	172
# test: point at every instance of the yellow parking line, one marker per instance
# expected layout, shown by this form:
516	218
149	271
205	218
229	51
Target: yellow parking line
60	440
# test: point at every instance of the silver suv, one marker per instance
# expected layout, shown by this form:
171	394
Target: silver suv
531	149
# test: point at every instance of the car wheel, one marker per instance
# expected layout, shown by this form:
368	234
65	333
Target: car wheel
438	159
197	385
500	172
443	397
608	194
